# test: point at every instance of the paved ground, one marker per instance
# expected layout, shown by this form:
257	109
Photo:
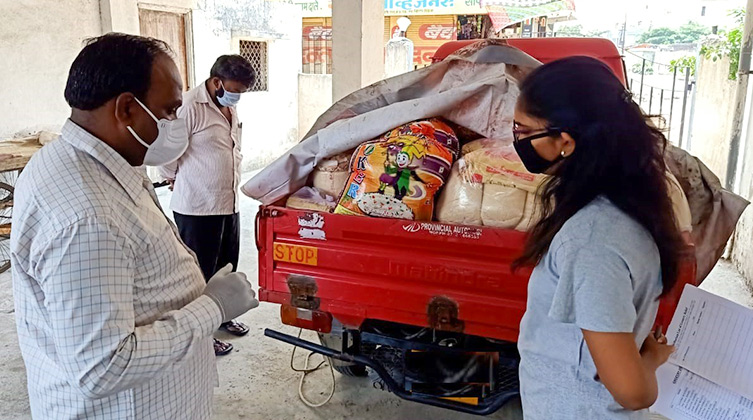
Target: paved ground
256	380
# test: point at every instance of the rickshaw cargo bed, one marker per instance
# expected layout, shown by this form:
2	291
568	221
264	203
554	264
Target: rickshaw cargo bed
445	277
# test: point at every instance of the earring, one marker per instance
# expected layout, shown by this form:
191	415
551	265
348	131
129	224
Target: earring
562	153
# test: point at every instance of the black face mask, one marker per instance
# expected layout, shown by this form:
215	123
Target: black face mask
531	159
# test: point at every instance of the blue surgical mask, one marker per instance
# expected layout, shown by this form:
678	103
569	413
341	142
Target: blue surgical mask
228	99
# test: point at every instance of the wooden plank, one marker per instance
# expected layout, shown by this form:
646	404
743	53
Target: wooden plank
171	28
15	154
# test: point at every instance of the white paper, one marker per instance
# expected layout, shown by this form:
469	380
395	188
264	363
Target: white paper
684	395
714	339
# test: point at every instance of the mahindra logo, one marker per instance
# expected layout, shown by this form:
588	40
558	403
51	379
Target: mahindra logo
412	228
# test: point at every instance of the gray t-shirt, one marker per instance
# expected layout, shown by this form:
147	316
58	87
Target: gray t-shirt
602	273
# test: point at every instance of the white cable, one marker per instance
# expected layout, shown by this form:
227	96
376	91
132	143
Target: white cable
307	371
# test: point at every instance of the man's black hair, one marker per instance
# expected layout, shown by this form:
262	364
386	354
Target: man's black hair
234	67
110	65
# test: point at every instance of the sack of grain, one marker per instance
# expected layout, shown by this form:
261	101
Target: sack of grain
330	175
398	174
460	201
489	186
502	206
308	198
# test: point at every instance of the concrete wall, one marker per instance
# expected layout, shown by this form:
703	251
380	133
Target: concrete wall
711	133
712	123
119	16
270	119
314	97
38	41
742	249
40	38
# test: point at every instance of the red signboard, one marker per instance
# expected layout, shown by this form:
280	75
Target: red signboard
317	32
437	32
317	55
423	54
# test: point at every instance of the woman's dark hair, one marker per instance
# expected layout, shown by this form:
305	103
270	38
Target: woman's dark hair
617	155
234	67
110	65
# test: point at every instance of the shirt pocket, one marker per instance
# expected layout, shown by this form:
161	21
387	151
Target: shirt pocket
239	134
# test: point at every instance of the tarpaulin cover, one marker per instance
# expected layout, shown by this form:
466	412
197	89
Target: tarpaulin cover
476	88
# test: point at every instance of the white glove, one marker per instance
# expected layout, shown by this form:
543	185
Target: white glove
231	292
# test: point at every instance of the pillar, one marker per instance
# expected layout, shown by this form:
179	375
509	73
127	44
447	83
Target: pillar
357	45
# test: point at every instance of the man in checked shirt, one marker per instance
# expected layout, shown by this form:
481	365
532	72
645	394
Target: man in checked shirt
205	179
114	318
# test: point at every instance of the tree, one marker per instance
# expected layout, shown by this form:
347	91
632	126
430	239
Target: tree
726	44
680	64
692	32
686	34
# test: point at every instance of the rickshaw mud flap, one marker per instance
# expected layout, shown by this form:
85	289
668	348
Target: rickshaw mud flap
487	407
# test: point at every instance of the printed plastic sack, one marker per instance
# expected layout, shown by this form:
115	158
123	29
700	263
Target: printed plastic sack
398	175
466	201
501	165
330	175
481	144
489	186
308	198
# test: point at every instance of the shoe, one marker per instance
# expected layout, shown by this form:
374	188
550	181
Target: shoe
222	348
235	328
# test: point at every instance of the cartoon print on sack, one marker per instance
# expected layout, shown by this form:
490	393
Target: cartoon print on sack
400	166
397	175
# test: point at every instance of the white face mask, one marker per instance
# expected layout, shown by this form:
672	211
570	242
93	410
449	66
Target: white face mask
171	141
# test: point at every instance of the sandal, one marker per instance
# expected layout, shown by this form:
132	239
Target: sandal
235	328
222	348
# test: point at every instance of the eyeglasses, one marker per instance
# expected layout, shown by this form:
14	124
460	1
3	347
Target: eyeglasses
548	131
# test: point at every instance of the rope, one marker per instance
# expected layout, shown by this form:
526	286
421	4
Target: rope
306	370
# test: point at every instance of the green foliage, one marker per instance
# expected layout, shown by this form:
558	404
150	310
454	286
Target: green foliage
686	34
681	64
727	44
739	15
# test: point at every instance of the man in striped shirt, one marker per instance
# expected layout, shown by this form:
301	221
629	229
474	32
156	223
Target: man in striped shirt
205	179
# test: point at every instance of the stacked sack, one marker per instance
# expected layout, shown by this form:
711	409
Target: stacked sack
327	183
308	198
489	186
329	176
